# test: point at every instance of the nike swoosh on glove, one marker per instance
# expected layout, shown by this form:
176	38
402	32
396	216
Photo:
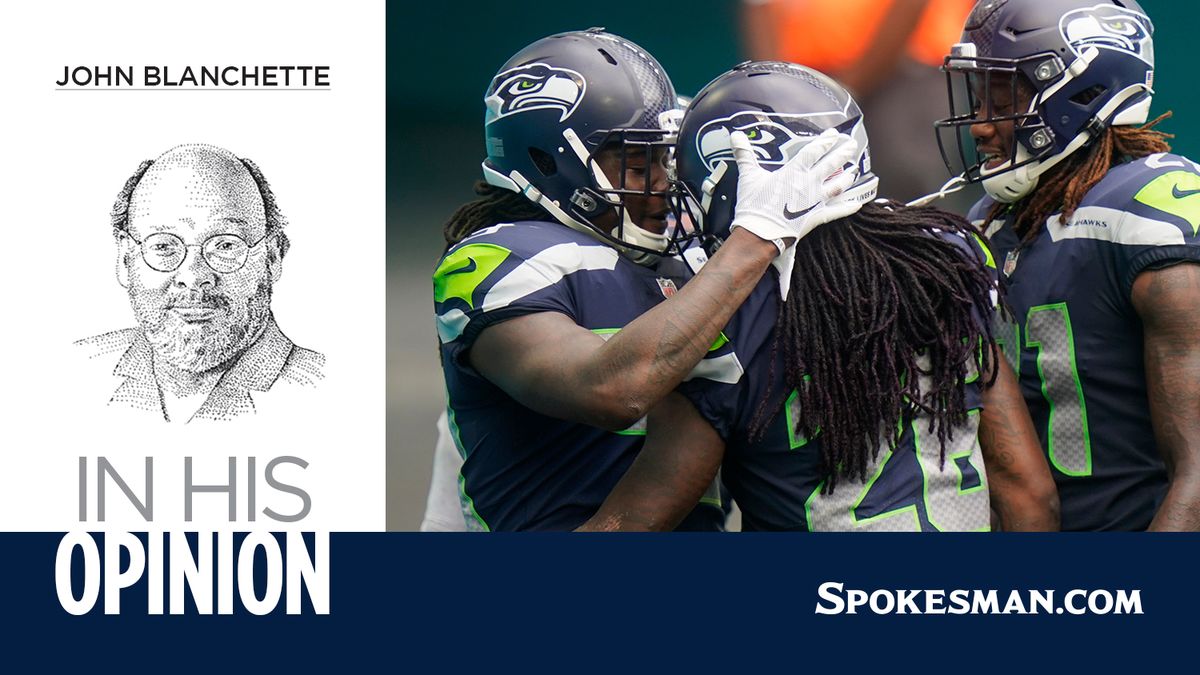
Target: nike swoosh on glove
788	203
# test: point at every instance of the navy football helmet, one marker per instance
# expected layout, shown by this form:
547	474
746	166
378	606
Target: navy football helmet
560	102
1085	64
780	107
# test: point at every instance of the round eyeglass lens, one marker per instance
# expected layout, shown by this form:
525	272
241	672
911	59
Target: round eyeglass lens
226	252
163	251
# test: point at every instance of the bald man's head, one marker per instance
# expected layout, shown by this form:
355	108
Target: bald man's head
193	184
199	248
201	155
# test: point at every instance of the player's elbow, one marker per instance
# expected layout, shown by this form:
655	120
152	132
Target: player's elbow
621	415
1025	503
593	404
1047	498
617	409
1041	499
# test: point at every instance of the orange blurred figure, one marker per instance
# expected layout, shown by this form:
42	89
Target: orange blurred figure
887	53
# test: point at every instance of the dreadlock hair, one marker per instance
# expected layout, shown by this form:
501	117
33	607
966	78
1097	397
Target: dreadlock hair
884	319
1063	187
495	205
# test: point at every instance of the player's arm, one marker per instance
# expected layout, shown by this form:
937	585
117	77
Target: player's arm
557	368
1166	300
1022	490
676	465
549	364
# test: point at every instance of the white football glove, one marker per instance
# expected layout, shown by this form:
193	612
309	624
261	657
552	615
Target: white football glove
789	202
784	205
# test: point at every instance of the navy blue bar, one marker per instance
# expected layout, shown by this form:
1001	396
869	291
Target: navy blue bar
689	603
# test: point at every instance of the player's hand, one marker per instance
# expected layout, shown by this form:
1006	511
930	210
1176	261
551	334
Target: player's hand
791	201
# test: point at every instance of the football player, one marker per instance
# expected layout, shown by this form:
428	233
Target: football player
860	392
1094	223
548	366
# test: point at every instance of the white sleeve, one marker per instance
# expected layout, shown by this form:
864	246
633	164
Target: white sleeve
443	510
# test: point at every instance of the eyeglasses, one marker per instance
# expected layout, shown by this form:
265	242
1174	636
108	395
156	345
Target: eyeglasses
224	253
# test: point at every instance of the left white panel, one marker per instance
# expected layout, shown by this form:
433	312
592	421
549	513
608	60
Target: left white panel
289	427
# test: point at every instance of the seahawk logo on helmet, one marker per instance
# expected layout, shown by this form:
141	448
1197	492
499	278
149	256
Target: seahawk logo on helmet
1108	27
535	86
774	136
1090	66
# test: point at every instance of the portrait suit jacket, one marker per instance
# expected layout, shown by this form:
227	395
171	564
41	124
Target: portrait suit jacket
273	360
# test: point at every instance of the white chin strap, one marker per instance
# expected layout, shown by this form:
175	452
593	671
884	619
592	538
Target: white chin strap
518	183
1007	185
950	187
1004	185
631	233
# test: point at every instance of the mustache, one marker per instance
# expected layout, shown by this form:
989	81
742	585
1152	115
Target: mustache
198	299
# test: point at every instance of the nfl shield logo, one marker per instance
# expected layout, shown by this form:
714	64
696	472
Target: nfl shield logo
1010	263
667	286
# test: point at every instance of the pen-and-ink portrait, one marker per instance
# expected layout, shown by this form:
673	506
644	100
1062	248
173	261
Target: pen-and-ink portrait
200	243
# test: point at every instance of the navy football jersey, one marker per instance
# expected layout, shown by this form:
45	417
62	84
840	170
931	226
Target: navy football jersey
523	470
1076	342
777	480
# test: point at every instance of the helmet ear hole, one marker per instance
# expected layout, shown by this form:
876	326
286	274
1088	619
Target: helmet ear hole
1088	95
544	162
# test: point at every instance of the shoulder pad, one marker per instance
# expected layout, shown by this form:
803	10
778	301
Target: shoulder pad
1162	188
526	238
499	266
1124	183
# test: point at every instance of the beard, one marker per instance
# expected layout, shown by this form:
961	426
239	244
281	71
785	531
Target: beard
198	346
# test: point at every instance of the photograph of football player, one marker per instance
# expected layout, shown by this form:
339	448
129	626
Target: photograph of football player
1094	222
561	310
873	397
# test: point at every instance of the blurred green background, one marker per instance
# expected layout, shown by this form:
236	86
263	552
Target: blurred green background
440	59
